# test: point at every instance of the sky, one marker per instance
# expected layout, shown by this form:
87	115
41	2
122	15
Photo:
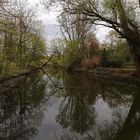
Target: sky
52	29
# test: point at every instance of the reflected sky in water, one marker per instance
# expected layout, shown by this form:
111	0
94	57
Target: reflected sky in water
60	106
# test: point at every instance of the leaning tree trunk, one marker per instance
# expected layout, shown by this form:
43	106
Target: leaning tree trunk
135	50
133	40
131	32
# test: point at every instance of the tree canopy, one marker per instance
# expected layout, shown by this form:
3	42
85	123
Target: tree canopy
119	15
21	42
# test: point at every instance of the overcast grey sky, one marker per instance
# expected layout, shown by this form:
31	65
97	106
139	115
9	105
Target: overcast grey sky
52	26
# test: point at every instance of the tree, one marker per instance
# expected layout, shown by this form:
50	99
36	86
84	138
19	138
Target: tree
92	45
74	32
115	52
79	44
20	38
58	46
120	15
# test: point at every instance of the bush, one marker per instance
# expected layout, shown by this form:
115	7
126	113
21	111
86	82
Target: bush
116	56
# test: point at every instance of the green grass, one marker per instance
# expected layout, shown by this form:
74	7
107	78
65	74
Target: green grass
12	70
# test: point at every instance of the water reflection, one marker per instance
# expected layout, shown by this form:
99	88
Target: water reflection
131	126
60	106
77	109
124	126
21	110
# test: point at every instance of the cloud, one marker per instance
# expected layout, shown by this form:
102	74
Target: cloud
102	32
52	31
52	28
33	2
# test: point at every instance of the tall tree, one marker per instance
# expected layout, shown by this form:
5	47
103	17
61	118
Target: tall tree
74	32
20	38
120	15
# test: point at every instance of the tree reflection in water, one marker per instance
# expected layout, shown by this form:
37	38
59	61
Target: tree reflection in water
77	111
131	126
20	108
125	125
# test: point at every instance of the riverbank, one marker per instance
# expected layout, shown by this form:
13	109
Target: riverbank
124	75
119	75
9	80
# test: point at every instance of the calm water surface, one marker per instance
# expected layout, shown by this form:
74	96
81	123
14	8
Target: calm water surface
60	106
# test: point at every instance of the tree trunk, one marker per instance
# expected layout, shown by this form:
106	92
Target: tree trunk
137	59
135	50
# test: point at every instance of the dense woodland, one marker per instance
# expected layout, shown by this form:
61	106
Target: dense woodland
23	47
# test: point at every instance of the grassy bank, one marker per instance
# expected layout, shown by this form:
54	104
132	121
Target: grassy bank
117	74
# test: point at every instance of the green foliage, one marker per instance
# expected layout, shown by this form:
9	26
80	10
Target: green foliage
36	54
120	15
58	45
75	32
71	58
22	46
67	54
116	56
71	53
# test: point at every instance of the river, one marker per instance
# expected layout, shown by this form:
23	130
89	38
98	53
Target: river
61	106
